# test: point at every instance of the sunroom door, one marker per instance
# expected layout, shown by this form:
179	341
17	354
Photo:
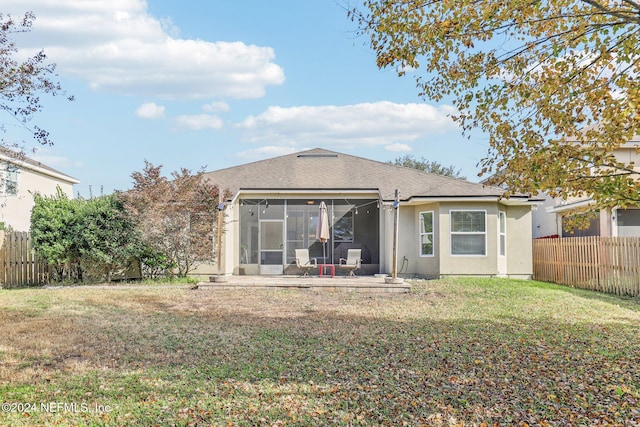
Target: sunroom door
271	247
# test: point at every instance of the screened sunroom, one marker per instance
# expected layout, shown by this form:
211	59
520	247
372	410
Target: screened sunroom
272	229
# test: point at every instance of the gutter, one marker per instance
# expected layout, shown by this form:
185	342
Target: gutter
569	206
45	171
512	201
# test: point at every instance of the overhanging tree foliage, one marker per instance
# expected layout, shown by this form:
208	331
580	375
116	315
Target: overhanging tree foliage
555	84
176	217
23	81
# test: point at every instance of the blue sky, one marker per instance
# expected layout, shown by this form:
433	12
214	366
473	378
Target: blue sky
216	84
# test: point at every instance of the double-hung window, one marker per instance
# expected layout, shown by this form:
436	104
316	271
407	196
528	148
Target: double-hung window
468	232
502	230
11	180
426	233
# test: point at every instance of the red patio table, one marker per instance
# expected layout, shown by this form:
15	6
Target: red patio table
331	267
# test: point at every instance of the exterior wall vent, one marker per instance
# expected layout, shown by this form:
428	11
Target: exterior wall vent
317	155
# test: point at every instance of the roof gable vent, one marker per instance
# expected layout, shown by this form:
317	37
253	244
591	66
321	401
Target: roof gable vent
316	155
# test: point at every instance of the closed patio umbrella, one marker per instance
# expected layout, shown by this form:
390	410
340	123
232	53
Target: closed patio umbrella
322	232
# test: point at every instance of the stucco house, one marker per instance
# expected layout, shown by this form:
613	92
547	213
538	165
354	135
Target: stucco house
21	176
618	222
446	226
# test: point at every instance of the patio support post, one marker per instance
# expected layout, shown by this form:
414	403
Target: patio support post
220	225
396	206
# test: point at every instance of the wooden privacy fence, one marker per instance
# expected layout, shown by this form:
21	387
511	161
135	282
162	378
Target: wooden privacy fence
18	264
606	264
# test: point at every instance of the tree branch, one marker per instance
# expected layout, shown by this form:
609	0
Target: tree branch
630	16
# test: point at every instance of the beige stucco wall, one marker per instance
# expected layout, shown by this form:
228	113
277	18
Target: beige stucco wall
628	154
15	210
469	264
386	240
229	258
409	260
231	241
545	223
517	262
519	242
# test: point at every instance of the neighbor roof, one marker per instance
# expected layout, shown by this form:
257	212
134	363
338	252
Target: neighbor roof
321	169
21	160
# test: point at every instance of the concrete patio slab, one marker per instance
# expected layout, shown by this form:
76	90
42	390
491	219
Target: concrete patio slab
338	283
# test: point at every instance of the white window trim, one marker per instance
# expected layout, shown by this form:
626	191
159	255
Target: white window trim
502	214
452	233
432	233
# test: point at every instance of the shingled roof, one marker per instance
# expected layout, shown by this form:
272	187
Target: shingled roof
21	160
324	170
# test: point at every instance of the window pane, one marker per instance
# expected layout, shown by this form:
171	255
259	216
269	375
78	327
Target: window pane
343	227
295	226
426	222
426	244
12	188
503	231
467	221
468	244
628	222
248	232
271	235
271	258
312	226
274	209
11	180
291	251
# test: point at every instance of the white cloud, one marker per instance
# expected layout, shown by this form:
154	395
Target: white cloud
374	124
397	147
118	47
150	110
43	156
200	122
216	107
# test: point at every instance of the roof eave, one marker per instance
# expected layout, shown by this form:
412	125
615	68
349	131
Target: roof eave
512	201
570	206
45	171
374	192
244	192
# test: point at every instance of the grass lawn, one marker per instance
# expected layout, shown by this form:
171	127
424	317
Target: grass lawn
451	352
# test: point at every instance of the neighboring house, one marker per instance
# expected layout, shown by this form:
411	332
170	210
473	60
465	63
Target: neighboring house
20	177
544	221
447	226
606	223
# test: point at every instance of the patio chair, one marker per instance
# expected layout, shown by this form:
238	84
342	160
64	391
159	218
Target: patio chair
304	263
352	262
